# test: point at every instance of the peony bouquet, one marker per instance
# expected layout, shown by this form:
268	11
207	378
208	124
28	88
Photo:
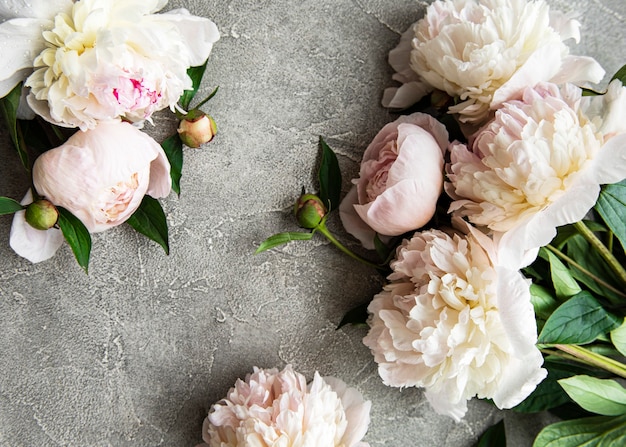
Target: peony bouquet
80	79
496	205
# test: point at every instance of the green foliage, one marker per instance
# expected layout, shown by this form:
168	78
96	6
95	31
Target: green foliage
494	436
8	110
564	283
173	148
357	316
329	177
621	75
149	220
282	238
599	431
600	396
9	206
618	338
611	205
195	73
76	235
579	320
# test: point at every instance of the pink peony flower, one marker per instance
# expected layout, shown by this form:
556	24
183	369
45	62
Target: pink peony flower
400	180
539	164
272	408
99	175
455	323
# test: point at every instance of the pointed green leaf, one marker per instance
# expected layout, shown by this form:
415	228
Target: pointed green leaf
618	338
8	110
494	436
76	235
282	238
329	177
579	320
543	301
357	316
611	206
564	283
599	431
195	73
621	75
9	206
173	148
149	220
600	396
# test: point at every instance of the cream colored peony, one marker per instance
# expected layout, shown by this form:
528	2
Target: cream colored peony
485	52
539	164
454	322
272	408
93	60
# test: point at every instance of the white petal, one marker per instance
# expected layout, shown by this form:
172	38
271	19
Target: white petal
21	41
579	69
39	9
199	33
30	243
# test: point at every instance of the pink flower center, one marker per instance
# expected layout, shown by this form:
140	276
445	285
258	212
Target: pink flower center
379	170
117	198
133	94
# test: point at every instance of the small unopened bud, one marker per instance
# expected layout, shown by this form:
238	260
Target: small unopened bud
41	214
197	128
309	211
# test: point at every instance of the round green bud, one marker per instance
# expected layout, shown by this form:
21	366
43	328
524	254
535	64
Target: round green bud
41	214
309	211
197	128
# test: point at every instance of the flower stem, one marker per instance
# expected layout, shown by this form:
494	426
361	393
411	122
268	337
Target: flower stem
602	250
594	359
576	265
322	229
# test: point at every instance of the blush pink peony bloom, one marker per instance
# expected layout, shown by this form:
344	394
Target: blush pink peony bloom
539	164
400	179
272	408
92	60
100	176
485	52
454	322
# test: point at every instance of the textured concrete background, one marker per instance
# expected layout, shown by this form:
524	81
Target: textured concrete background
135	353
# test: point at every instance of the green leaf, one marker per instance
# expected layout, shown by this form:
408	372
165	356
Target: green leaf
76	235
543	301
329	177
8	109
599	431
579	320
282	238
173	148
611	205
600	396
494	436
195	73
590	92
618	338
564	283
9	206
357	316
149	220
621	75
566	232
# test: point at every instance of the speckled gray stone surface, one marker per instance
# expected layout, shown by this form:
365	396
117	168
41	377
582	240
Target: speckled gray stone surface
134	353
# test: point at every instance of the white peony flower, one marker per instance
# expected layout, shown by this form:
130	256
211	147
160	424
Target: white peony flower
94	60
455	323
485	52
272	408
539	164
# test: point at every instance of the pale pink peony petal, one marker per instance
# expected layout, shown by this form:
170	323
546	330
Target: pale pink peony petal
199	33
30	243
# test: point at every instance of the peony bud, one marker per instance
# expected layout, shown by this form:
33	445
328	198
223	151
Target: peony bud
309	211
41	214
197	128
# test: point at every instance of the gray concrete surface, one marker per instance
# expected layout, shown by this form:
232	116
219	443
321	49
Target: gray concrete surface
134	353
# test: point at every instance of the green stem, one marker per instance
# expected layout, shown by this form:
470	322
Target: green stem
322	229
592	358
575	264
602	250
205	100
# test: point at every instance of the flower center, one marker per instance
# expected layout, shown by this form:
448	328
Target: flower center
115	199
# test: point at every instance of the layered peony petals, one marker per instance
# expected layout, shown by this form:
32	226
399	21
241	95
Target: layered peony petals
101	175
272	408
30	243
539	165
400	179
455	323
